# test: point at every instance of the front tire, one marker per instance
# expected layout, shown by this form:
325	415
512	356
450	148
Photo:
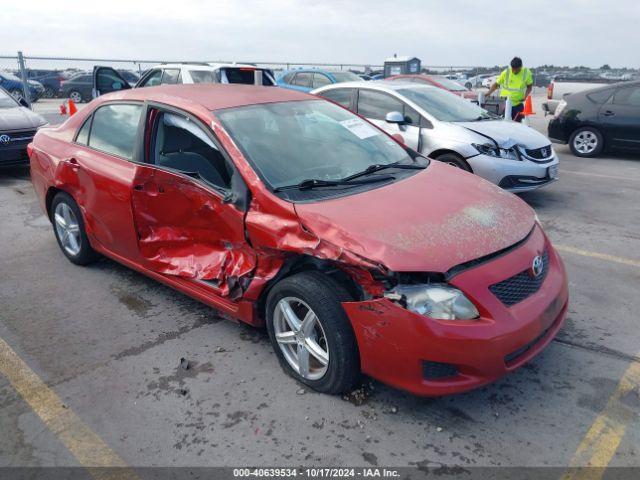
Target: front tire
455	161
586	142
68	227
311	333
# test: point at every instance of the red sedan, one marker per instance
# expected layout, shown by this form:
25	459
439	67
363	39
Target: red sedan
286	210
437	81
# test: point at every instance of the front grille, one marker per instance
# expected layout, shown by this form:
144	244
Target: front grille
437	370
20	137
521	286
539	154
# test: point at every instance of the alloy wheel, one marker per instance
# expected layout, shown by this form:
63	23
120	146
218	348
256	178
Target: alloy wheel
301	338
76	97
67	228
585	142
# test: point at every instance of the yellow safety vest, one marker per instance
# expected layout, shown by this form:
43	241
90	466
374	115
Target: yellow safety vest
514	86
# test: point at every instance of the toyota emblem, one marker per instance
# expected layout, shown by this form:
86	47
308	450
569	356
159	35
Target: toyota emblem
5	139
537	266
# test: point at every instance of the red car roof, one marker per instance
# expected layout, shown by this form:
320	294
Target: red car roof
211	96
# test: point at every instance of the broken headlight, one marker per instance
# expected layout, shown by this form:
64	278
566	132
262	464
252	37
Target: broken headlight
438	301
493	151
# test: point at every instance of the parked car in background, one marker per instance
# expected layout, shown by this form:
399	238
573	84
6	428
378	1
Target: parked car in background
18	125
77	87
266	204
476	81
305	80
107	79
437	81
13	85
605	118
562	85
452	130
50	80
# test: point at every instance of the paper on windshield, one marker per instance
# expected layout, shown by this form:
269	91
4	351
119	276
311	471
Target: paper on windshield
359	128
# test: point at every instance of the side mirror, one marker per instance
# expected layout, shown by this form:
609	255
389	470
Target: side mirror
23	102
395	117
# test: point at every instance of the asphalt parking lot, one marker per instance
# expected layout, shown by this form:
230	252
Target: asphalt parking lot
105	343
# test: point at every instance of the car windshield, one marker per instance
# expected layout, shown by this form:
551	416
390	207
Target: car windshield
6	100
345	77
203	76
450	84
445	106
290	142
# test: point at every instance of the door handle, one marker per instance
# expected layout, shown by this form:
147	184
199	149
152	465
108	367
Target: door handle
138	187
149	187
608	113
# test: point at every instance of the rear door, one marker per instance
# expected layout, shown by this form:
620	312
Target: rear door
620	118
375	105
103	165
188	205
107	80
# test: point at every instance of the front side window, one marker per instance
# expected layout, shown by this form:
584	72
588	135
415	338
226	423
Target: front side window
171	76
289	142
115	128
629	96
376	105
345	77
183	146
341	96
445	106
302	79
153	79
320	80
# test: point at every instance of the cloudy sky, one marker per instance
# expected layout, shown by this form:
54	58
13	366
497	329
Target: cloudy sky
452	32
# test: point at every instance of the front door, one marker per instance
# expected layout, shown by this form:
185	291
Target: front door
107	80
620	118
183	208
375	106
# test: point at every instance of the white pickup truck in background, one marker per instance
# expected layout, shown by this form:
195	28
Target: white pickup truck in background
562	86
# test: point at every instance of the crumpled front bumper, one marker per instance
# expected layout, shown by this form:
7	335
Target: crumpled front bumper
515	175
398	347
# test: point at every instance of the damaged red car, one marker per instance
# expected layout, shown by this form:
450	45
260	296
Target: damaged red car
286	210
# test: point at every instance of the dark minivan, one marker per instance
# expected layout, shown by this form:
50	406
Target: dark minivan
603	118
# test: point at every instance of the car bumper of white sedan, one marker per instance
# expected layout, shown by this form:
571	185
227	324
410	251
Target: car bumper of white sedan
515	175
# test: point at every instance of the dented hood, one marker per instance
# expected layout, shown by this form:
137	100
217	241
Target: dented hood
507	133
432	221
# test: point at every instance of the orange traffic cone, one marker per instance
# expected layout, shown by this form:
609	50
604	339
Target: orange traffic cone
528	107
73	109
63	109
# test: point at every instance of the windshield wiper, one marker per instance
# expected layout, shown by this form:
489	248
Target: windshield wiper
378	166
317	182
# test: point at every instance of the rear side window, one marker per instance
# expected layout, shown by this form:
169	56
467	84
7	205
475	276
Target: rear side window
341	96
83	134
288	77
243	75
376	104
114	129
601	96
202	76
171	77
302	79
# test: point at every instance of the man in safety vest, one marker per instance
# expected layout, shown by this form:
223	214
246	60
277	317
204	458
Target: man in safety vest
515	83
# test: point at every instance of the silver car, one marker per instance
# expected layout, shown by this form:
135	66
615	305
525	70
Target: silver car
445	127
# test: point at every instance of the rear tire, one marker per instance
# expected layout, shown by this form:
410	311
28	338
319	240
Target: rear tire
76	96
455	161
586	142
68	227
335	368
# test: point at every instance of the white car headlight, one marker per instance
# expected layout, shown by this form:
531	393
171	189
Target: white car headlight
437	301
493	151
